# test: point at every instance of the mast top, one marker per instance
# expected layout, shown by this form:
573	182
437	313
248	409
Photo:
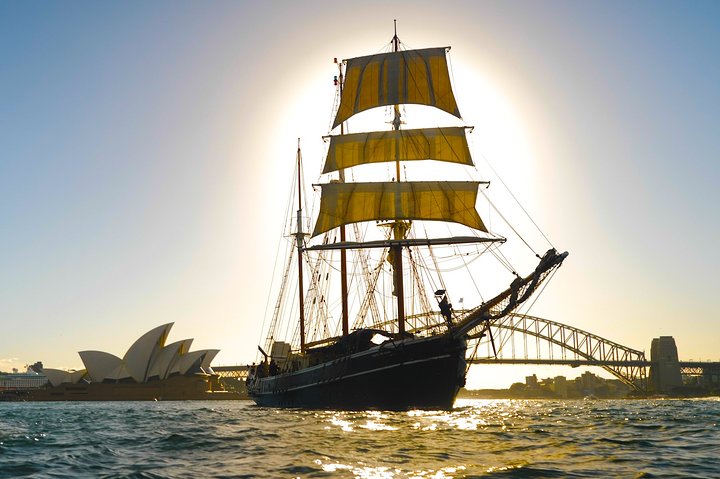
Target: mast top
395	39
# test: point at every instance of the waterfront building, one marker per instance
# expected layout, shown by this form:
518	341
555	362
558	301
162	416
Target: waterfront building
560	387
21	381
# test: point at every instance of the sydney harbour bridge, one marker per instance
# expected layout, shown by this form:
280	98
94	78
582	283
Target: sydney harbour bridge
523	339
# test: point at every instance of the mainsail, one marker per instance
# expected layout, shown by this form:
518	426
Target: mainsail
345	203
403	77
441	144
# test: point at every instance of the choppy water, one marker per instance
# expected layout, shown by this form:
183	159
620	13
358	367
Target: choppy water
493	439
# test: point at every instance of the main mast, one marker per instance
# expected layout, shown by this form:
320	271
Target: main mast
343	253
398	227
382	80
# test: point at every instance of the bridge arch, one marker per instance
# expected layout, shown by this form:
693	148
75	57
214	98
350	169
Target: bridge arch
557	343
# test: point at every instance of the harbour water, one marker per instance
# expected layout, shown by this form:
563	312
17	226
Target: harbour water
479	438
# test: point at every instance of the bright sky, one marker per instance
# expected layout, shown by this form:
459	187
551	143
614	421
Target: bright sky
145	149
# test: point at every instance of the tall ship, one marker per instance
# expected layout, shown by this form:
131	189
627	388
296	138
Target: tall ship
370	323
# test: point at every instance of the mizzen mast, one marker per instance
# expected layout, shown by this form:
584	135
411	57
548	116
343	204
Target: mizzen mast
299	242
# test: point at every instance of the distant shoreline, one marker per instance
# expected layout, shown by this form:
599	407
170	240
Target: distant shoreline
509	394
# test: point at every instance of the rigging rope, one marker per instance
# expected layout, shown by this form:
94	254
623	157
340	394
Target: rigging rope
508	223
287	223
516	201
502	259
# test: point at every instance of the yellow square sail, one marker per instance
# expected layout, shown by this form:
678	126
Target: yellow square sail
441	144
411	76
345	203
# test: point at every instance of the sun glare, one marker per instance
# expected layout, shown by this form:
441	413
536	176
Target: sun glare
499	136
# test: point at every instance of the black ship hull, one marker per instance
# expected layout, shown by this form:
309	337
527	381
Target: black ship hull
422	373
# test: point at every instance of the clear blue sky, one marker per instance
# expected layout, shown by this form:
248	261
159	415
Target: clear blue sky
144	149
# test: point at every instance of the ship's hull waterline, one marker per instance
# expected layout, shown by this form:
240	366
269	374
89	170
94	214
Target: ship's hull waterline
413	373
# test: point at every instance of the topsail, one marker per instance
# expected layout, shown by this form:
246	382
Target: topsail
410	76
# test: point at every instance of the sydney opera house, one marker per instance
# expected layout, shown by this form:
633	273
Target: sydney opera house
149	370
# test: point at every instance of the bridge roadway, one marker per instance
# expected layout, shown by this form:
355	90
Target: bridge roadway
575	363
687	368
237	372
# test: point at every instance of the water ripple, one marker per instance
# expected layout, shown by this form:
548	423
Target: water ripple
488	439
